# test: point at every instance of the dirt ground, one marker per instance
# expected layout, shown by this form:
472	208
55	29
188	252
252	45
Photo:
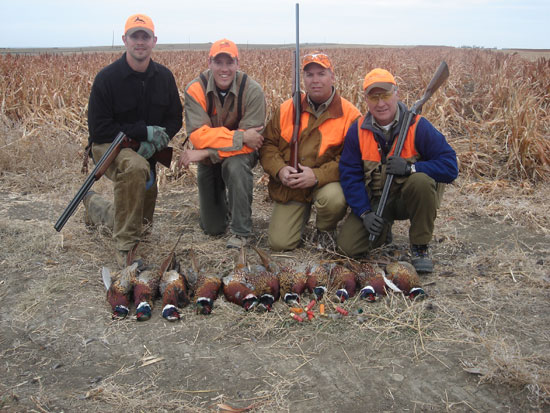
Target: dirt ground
479	342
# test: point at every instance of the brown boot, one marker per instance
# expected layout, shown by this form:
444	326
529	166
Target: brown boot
126	258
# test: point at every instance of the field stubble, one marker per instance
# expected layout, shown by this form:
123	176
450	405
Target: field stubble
478	343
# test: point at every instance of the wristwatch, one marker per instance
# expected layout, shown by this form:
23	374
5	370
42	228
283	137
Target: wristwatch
413	168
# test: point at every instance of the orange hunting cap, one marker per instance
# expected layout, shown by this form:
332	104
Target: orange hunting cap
378	78
224	46
317	57
138	22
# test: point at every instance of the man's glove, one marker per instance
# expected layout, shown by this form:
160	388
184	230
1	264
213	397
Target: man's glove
158	137
398	166
373	223
146	149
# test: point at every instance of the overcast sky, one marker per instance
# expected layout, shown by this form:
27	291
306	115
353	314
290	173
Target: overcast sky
482	23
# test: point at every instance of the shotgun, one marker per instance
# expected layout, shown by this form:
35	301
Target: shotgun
296	97
121	141
438	79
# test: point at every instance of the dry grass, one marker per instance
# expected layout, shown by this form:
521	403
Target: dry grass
494	107
490	247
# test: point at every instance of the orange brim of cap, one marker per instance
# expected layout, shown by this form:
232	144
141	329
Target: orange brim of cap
317	57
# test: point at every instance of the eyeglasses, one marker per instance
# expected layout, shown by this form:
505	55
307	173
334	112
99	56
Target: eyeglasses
376	97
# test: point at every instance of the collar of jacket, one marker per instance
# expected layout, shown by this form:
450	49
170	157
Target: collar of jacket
334	109
128	71
211	85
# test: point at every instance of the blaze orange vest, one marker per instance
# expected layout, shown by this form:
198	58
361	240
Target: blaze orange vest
333	130
369	146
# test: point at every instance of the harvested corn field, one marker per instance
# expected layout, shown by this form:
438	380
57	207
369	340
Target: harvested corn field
478	342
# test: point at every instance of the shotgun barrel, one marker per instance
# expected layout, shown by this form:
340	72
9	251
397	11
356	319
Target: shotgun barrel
296	97
98	171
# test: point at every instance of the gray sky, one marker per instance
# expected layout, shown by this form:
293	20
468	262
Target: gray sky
482	23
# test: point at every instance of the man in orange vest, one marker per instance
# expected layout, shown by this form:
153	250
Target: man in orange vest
224	115
427	162
325	117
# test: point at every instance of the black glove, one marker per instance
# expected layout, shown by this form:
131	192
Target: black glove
373	223
398	166
158	137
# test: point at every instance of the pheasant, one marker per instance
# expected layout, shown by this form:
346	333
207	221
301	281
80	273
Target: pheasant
206	287
118	291
146	287
318	280
292	282
344	280
236	287
265	281
370	281
405	278
173	288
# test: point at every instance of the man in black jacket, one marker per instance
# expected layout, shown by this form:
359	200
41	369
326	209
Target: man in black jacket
139	97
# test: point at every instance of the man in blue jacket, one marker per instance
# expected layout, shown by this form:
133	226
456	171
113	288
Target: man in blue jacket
427	162
139	97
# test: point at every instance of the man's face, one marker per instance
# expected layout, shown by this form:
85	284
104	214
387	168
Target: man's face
318	82
223	69
382	105
139	45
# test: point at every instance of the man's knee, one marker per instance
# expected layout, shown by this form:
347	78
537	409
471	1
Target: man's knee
331	199
280	243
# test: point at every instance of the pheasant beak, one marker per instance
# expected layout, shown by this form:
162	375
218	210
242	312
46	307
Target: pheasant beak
120	312
368	293
249	302
205	305
342	294
319	292
417	294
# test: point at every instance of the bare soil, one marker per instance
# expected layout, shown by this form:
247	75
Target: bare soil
479	342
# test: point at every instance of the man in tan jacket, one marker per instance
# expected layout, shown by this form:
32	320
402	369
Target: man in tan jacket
224	114
325	118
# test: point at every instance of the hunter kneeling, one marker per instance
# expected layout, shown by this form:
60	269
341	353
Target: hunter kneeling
427	162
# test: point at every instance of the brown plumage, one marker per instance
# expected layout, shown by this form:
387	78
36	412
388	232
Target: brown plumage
292	282
370	281
343	278
318	280
405	278
265	281
119	287
146	288
236	287
173	289
206	286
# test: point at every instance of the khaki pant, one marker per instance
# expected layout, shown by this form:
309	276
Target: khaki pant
289	220
225	195
417	200
132	206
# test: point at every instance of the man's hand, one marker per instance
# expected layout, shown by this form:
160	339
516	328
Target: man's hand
398	166
158	137
192	155
253	139
146	149
373	223
297	180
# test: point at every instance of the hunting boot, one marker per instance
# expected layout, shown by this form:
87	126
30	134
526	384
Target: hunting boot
420	258
126	258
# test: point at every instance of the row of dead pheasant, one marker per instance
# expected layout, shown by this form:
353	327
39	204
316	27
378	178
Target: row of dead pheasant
256	286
